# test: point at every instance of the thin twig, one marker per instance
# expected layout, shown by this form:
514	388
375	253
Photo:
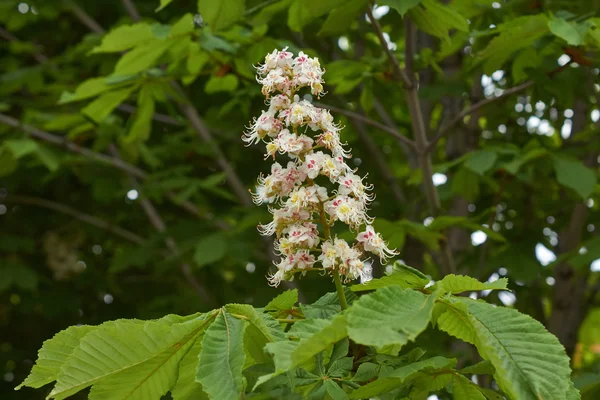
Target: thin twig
84	17
9	37
111	161
81	216
197	123
400	73
131	10
459	117
165	119
369	121
418	124
73	147
444	130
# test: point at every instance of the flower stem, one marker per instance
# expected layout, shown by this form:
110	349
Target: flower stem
340	289
336	274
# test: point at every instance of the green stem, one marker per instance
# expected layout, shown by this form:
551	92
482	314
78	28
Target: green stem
340	289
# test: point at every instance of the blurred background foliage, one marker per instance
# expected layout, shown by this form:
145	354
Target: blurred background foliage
124	182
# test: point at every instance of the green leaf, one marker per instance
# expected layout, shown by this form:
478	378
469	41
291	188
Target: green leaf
262	329
90	88
395	378
453	318
437	19
100	108
184	26
315	336
390	316
283	301
8	162
337	21
197	59
466	183
227	83
211	249
334	391
142	125
366	96
302	12
401	275
519	33
461	283
124	37
129	358
186	387
402	6
530	362
21	147
527	58
48	157
481	368
220	14
18	275
366	371
142	57
481	161
574	175
222	358
163	4
54	354
566	30
464	389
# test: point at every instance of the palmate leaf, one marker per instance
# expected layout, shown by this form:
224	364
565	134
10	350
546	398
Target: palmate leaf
390	316
262	329
186	387
461	283
399	376
284	301
129	358
53	354
315	336
222	358
464	389
530	362
401	275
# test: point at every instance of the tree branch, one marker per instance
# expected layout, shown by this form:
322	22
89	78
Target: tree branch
198	125
111	161
73	147
83	217
369	121
418	125
9	37
459	117
399	73
84	17
131	10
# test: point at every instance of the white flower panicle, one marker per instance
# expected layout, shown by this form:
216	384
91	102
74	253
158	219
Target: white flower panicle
303	210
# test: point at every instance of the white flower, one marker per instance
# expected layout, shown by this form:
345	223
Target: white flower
352	184
312	164
287	128
348	210
294	145
328	255
265	125
306	197
331	141
373	243
304	235
278	103
276	278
